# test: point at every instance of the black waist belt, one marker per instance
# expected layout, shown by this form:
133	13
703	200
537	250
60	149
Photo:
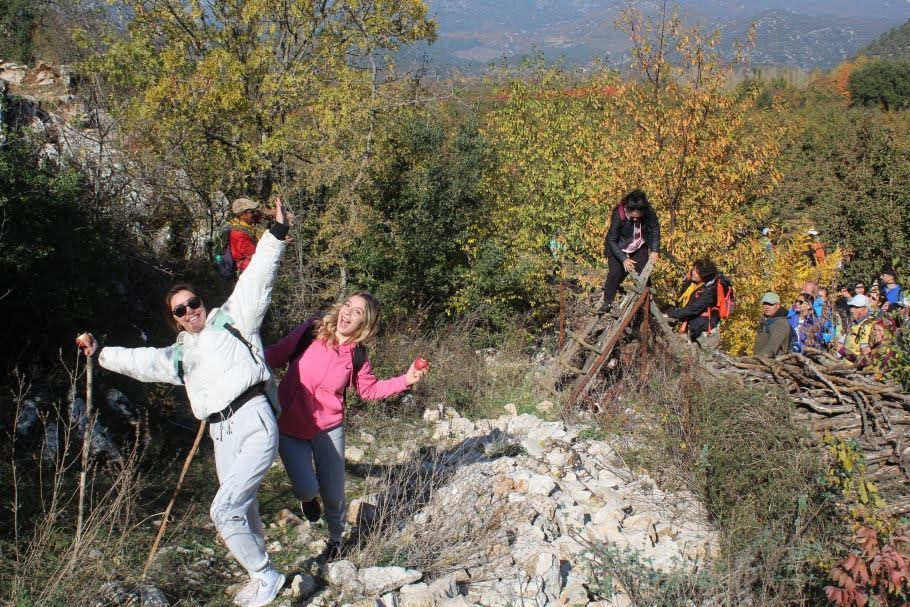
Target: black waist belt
235	405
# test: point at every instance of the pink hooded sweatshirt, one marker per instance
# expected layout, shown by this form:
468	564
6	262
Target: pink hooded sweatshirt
312	391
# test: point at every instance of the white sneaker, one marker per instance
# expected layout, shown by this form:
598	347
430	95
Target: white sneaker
247	592
270	584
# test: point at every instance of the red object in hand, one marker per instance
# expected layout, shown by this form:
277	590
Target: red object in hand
420	364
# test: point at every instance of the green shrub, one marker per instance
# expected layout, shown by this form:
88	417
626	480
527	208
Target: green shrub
743	453
881	83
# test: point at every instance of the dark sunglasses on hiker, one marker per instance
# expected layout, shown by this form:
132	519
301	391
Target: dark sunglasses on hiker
192	303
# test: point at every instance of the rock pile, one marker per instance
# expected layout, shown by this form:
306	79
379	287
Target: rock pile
520	504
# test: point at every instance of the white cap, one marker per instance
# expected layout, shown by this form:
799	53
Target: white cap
858	301
812	232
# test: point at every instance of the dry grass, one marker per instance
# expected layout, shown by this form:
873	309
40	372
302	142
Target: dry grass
741	451
43	562
475	380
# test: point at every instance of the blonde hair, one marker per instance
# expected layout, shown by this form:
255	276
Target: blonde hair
325	328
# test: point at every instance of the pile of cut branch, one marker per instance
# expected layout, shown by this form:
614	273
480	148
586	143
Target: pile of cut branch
832	397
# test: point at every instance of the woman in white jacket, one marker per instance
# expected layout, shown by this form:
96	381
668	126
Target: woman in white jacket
218	357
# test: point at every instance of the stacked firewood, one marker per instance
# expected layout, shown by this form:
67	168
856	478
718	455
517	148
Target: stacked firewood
832	397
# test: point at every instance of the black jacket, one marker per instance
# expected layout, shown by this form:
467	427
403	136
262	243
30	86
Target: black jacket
620	234
701	300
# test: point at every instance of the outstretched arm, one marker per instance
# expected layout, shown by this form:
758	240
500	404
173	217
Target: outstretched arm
370	388
253	294
143	364
696	307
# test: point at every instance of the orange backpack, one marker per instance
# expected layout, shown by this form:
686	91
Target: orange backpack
726	298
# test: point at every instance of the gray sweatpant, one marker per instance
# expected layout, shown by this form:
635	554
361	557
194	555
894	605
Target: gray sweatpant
245	446
317	466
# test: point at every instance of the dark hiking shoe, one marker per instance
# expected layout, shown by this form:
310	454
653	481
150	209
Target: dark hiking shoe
334	551
611	309
311	510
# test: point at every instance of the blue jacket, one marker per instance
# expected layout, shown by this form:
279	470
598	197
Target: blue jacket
802	332
895	295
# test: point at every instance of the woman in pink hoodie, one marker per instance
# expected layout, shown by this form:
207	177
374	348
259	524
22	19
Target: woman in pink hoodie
326	356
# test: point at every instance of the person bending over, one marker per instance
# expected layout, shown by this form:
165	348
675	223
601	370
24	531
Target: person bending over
632	239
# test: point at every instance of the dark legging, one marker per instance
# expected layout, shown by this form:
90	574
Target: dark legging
616	273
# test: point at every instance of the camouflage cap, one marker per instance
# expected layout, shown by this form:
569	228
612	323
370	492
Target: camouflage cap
243	204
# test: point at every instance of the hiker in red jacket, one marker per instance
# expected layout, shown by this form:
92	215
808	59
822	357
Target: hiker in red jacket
244	236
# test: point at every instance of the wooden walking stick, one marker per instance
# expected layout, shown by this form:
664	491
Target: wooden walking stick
170	506
86	445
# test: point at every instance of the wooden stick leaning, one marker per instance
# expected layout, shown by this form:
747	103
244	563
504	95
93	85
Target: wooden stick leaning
170	506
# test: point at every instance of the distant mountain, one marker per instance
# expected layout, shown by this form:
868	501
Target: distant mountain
788	38
894	43
822	33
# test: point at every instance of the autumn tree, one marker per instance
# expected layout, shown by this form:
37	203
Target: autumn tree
243	96
705	156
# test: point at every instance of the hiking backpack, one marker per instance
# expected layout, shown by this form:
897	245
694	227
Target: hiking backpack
223	259
726	297
726	301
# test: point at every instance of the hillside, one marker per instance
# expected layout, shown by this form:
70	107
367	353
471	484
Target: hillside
893	44
819	34
788	38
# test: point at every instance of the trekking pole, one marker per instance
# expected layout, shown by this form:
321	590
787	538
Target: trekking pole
170	506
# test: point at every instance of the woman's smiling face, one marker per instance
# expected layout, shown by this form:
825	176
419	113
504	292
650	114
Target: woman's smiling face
351	317
189	319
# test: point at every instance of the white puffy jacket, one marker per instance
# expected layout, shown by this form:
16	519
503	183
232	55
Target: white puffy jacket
217	367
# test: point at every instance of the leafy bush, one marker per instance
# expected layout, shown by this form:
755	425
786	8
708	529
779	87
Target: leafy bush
742	452
425	196
18	22
880	569
882	83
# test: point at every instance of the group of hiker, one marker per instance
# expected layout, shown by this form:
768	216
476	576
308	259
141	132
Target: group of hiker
219	358
853	324
632	240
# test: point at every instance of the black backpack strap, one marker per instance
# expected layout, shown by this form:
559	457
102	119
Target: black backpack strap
180	371
233	331
359	358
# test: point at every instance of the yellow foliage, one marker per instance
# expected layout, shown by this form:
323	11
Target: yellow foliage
244	97
755	274
705	157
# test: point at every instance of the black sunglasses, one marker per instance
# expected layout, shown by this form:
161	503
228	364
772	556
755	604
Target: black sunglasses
192	303
800	302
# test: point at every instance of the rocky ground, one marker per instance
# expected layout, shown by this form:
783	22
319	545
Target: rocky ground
495	512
